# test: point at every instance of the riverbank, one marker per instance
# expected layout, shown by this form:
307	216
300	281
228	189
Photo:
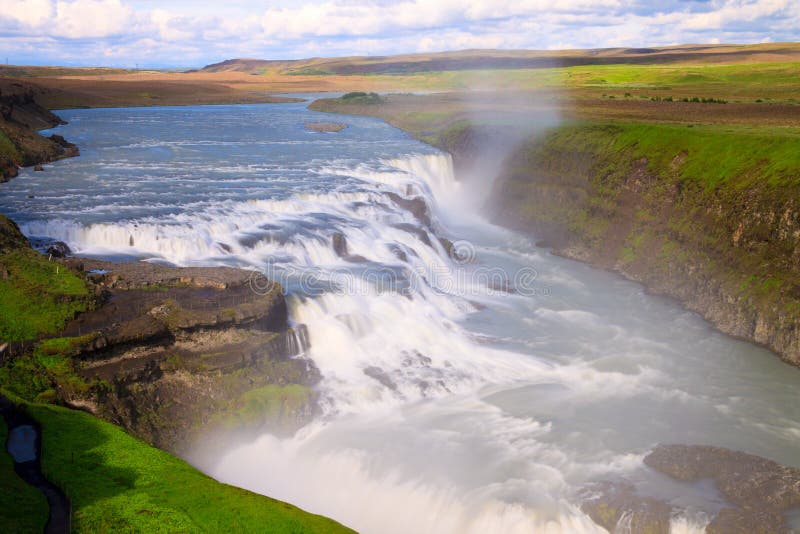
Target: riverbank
702	213
21	117
704	216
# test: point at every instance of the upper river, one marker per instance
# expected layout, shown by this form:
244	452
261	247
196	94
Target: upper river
475	393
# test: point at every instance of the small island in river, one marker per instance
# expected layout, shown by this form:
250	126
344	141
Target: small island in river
325	127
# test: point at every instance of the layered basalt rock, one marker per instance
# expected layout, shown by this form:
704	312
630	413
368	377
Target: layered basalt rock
172	354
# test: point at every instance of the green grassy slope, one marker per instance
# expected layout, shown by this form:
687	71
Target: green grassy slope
22	508
119	484
37	296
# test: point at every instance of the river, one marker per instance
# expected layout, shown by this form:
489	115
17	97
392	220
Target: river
474	392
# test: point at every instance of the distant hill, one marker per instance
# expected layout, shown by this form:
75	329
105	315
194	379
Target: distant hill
515	59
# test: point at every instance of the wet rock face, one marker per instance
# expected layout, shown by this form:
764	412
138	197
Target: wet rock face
731	254
416	206
761	489
59	249
339	242
69	149
380	375
617	507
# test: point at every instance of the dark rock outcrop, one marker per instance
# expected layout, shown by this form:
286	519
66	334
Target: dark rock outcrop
381	376
58	249
416	206
172	352
20	117
611	503
339	242
70	149
762	490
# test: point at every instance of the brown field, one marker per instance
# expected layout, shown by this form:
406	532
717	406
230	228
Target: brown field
759	83
691	54
169	88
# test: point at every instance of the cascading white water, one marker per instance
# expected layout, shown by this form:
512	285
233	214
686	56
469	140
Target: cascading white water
453	400
390	437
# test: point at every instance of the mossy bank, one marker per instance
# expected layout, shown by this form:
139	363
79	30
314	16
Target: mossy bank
706	215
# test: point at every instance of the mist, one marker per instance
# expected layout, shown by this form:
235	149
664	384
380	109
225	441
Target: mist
500	121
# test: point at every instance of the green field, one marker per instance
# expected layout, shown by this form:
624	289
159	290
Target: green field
775	82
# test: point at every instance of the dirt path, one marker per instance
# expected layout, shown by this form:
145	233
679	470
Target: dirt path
25	446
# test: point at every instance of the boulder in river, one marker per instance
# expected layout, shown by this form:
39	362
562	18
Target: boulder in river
762	490
325	127
416	206
380	375
339	242
58	249
610	504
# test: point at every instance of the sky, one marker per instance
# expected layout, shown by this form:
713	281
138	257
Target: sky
187	33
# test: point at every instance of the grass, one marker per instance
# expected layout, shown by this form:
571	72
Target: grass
119	484
710	197
7	147
712	157
361	98
24	508
36	375
38	297
776	81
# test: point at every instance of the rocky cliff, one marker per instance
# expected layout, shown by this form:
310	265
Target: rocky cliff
170	354
710	218
21	116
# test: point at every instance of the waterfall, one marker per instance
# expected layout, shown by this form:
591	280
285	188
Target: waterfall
455	395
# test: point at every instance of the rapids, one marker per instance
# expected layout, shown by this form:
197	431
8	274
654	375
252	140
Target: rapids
468	392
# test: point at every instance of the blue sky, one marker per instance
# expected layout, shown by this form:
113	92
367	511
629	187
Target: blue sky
184	33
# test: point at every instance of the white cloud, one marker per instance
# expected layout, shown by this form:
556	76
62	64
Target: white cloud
170	26
26	12
171	32
91	18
